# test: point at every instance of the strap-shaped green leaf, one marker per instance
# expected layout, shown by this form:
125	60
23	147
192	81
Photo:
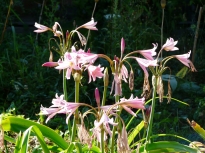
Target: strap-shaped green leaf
17	124
166	146
23	140
94	149
197	128
136	130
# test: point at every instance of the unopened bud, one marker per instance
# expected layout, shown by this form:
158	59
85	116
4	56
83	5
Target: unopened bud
67	34
88	51
163	3
51	57
77	76
148	112
122	46
97	97
106	77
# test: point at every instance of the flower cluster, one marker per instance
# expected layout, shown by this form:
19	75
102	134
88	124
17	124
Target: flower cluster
75	62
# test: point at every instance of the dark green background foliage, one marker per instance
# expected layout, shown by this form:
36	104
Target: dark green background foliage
25	85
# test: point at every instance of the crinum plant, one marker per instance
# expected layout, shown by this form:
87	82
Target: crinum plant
109	133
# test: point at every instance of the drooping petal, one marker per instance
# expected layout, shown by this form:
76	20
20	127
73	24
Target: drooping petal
124	73
145	63
149	53
82	38
127	104
128	110
184	58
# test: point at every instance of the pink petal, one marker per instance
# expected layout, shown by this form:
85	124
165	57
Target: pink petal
149	53
50	64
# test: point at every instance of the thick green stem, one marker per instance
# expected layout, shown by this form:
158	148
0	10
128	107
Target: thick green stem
65	95
102	130
150	123
64	86
75	121
112	150
102	141
104	95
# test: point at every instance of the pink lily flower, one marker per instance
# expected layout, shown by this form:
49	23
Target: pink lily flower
136	102
78	59
41	28
60	106
97	133
170	45
149	52
89	25
184	59
69	63
146	63
94	71
105	121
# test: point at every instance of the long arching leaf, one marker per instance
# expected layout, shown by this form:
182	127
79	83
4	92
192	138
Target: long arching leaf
17	124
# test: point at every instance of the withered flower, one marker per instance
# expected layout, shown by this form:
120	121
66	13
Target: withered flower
83	134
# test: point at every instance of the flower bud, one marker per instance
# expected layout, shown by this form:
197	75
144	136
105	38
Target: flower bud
106	77
147	115
122	46
97	97
51	57
163	3
88	51
77	76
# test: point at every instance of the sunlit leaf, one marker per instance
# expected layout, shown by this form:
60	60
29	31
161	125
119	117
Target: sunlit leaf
197	128
166	146
181	74
136	130
17	124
